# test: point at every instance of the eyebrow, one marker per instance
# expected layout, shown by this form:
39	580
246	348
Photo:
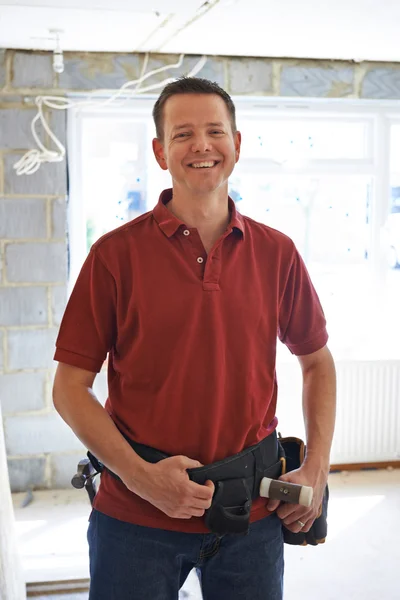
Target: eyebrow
187	125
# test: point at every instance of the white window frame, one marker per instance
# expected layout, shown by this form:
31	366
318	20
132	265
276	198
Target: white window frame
378	115
76	203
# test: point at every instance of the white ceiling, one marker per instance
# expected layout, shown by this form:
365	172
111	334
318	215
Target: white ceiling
336	29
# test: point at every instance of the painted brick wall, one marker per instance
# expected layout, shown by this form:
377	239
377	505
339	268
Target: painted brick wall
42	451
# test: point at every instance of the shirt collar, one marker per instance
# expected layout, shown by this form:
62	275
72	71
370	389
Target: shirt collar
169	223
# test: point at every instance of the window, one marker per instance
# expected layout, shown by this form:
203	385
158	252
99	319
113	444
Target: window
113	174
326	174
284	139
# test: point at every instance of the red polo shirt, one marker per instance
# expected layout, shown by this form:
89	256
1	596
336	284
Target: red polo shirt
191	339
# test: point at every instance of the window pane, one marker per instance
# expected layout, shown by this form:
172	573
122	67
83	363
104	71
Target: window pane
389	323
395	149
283	141
328	219
114	180
311	210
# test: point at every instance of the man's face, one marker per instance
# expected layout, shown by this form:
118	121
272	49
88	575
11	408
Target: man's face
199	148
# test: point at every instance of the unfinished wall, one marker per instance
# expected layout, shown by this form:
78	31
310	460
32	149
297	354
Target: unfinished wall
42	451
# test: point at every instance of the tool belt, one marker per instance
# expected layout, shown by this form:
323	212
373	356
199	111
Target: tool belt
237	480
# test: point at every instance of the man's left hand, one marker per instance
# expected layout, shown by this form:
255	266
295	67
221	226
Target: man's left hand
293	515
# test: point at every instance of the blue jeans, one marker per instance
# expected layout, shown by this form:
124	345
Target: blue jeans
131	562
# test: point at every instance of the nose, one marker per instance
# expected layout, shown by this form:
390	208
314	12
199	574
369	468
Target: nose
201	143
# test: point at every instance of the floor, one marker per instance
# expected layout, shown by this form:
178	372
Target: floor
359	561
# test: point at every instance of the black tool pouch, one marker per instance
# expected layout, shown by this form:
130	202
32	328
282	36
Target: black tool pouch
237	482
294	450
224	517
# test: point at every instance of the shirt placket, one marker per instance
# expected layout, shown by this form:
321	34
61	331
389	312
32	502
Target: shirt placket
208	267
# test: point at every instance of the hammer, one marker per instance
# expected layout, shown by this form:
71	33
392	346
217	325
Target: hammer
286	492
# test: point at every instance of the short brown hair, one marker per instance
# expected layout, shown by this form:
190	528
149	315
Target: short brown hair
190	85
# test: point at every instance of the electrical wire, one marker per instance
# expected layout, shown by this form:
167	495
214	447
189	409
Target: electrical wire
32	160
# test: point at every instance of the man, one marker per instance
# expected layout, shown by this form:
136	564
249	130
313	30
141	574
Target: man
188	300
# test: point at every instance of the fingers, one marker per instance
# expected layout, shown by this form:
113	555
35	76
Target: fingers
196	500
286	510
171	490
210	486
202	503
197	503
273	505
298	521
187	515
296	526
188	463
196	512
197	509
308	525
202	492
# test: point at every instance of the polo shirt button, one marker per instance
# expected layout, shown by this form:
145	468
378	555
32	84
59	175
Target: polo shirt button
186	232
200	260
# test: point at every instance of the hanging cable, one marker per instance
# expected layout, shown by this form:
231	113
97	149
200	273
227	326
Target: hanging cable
31	161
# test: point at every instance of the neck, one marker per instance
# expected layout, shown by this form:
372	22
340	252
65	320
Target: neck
209	214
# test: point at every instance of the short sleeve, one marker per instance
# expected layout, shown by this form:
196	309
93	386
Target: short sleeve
302	324
88	328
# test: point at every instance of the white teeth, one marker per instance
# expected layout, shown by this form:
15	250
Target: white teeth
203	165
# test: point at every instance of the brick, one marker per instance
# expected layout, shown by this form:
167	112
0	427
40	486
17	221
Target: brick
20	392
31	349
26	473
32	70
1	351
22	218
250	76
381	83
98	70
213	70
57	120
2	67
64	467
49	180
59	218
317	82
164	60
36	262
7	100
58	303
39	434
15	128
23	306
2	174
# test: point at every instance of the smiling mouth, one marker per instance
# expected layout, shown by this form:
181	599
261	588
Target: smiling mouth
204	165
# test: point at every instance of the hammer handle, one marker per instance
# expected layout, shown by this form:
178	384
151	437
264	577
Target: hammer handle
286	492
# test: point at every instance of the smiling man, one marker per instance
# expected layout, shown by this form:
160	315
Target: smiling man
188	301
198	143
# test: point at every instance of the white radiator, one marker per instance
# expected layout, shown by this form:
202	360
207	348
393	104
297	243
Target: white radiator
368	409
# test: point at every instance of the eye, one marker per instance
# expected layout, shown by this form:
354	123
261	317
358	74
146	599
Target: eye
181	135
217	132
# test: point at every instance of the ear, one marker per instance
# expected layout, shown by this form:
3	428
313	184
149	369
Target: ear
238	143
158	149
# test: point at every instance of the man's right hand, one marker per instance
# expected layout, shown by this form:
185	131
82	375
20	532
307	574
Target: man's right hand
167	486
